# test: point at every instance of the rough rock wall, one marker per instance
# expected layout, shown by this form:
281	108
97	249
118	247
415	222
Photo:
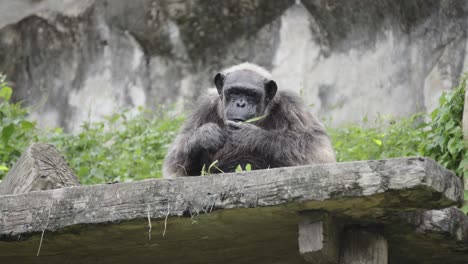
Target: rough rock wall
81	60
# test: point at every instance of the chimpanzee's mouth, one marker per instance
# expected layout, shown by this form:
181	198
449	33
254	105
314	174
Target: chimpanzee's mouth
238	120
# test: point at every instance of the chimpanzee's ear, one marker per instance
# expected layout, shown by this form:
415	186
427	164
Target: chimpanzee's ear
219	82
270	89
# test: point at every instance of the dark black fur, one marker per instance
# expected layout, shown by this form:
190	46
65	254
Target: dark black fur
288	136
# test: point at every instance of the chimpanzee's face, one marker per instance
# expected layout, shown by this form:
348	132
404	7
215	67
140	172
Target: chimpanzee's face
244	93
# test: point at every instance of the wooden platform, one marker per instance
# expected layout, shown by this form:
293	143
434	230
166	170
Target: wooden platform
250	217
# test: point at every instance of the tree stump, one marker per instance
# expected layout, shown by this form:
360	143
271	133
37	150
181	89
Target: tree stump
41	167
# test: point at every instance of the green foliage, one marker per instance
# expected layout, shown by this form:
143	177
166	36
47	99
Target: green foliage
444	142
248	167
384	138
119	149
209	171
129	147
438	135
16	132
122	148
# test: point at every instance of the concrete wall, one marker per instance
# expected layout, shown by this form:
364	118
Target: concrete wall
82	60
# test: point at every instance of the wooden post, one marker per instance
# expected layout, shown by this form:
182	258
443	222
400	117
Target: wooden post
41	167
319	236
363	247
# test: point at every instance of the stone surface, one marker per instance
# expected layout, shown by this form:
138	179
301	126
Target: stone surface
235	218
83	60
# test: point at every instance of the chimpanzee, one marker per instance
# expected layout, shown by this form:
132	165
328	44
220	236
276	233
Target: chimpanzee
283	132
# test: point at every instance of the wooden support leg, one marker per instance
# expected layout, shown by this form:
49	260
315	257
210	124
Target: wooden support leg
319	236
41	167
363	247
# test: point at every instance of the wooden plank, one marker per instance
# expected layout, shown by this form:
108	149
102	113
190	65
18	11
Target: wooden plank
319	238
363	247
41	167
109	223
434	236
416	180
412	183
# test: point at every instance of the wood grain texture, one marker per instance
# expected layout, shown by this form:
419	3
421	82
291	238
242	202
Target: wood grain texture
421	182
319	238
249	217
363	247
433	236
41	167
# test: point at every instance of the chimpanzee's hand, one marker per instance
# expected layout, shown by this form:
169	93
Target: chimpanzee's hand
242	134
209	136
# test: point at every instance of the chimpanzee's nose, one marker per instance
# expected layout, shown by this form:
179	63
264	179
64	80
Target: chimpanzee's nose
240	103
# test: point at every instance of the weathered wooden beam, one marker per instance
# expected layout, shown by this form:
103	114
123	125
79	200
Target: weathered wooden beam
41	167
412	183
363	247
434	236
109	223
450	221
431	237
319	238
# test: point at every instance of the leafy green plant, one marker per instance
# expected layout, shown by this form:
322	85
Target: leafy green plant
438	135
131	146
383	138
122	148
126	146
248	167
16	132
444	142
